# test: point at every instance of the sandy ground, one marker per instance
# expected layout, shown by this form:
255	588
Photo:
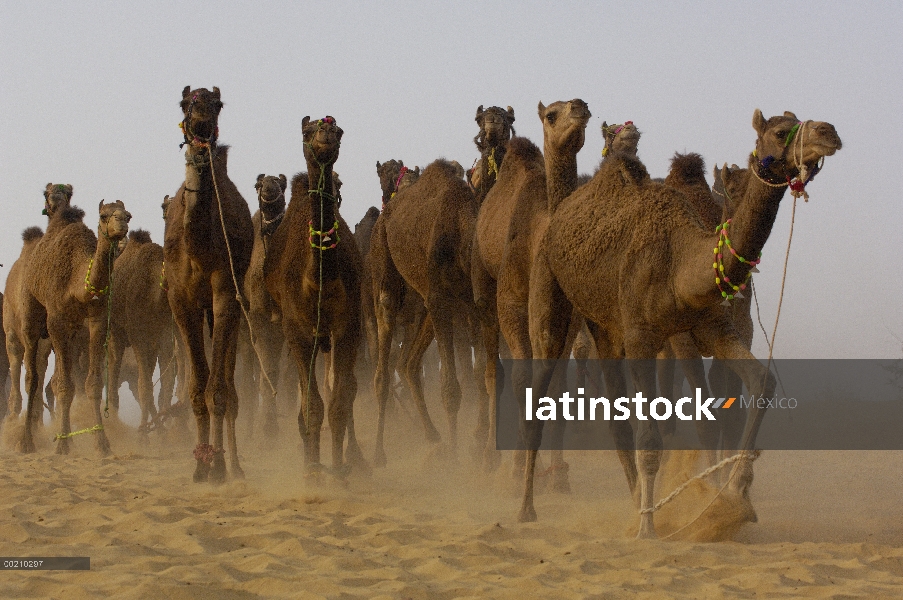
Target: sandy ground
829	527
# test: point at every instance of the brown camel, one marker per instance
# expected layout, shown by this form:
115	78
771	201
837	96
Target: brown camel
263	311
315	282
56	197
495	130
421	240
66	283
207	249
512	220
639	270
141	318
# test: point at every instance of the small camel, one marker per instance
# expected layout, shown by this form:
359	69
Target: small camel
67	282
207	249
640	270
141	318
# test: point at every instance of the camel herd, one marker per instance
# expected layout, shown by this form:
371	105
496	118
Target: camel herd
518	257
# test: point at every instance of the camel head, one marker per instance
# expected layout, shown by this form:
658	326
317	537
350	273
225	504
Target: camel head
389	177
114	221
495	126
322	139
564	125
789	149
620	138
200	108
409	176
56	196
271	192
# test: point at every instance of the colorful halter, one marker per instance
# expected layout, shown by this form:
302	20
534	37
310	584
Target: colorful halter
718	265
325	236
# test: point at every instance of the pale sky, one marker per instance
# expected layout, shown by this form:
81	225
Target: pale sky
90	91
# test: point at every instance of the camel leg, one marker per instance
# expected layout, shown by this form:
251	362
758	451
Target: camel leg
231	353
494	376
34	406
386	305
441	313
667	382
146	356
94	383
549	319
15	351
269	344
641	348
220	391
165	351
341	406
758	380
412	368
688	356
115	348
310	416
60	338
191	327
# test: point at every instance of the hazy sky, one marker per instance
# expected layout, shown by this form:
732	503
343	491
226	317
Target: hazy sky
89	96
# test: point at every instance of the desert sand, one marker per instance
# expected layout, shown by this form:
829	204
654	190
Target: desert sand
829	526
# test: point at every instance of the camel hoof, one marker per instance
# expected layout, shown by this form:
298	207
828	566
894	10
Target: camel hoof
560	484
432	436
646	535
25	447
62	446
237	472
103	446
527	514
379	459
217	474
201	472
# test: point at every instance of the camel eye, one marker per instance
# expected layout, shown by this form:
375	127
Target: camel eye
551	118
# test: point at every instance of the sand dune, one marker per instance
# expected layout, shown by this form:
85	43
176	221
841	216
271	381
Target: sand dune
829	527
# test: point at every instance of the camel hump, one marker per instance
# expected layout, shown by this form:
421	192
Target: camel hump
687	168
70	214
32	233
372	214
140	236
524	149
623	168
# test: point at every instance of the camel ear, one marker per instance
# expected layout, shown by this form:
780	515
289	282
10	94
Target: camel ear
479	112
511	114
305	121
186	91
340	132
283	182
69	190
259	179
417	171
378	166
47	190
759	123
216	92
542	110
100	206
789	114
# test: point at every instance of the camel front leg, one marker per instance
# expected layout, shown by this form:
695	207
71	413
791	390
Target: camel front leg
641	347
220	391
310	416
94	382
191	328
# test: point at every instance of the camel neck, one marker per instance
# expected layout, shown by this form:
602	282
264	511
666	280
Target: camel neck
324	235
490	163
755	212
561	176
200	194
100	267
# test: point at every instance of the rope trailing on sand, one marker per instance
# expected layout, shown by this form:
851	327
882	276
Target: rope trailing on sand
61	436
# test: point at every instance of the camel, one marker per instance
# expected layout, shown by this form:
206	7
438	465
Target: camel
495	130
67	282
512	220
420	242
141	318
263	312
316	285
207	249
56	197
638	271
